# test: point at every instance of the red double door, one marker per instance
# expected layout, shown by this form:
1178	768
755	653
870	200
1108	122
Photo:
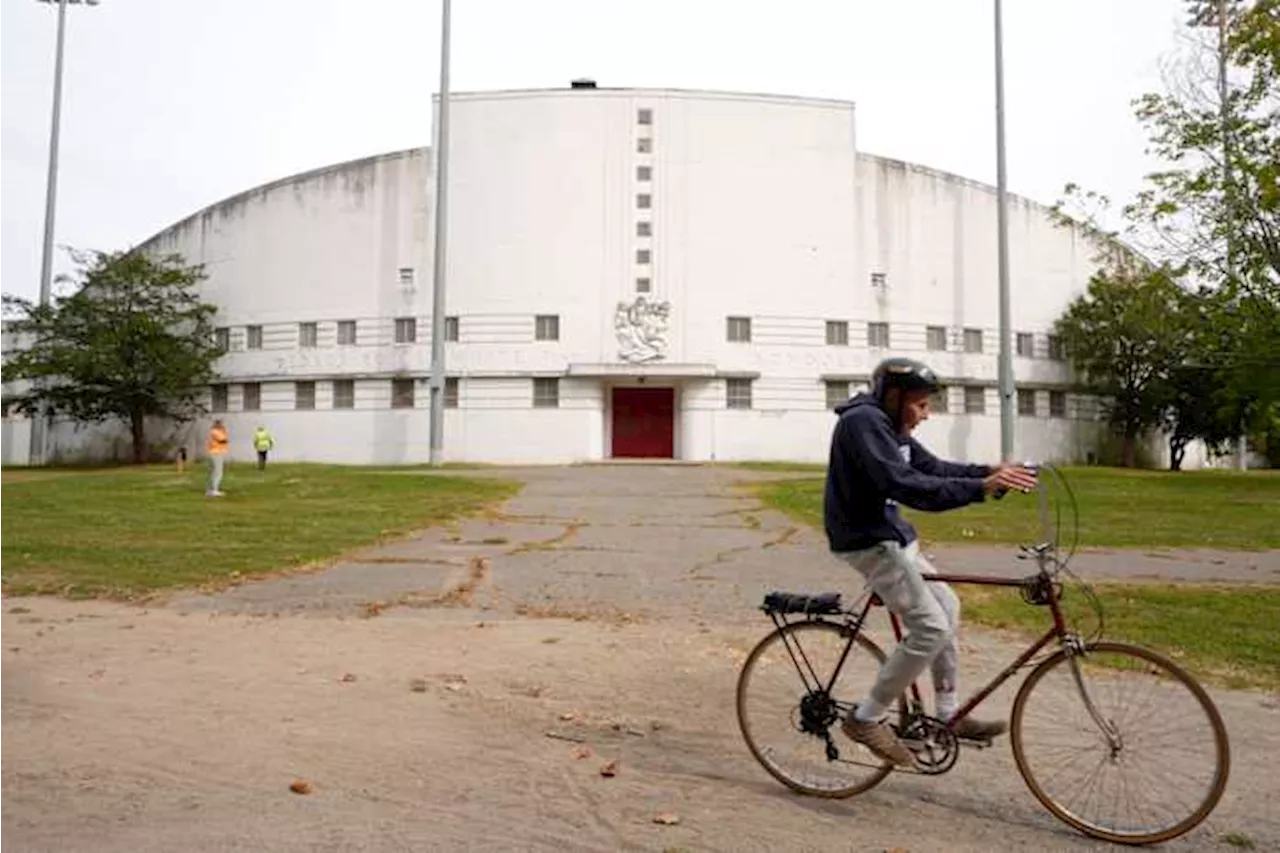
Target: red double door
644	423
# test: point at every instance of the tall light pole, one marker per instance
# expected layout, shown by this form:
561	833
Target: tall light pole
441	245
1002	249
37	451
1216	13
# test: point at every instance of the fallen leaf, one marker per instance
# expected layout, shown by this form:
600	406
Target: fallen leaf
418	685
896	850
569	715
666	818
300	786
453	686
581	752
610	769
349	677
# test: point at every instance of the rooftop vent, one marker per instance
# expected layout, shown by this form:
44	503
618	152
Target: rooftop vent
582	83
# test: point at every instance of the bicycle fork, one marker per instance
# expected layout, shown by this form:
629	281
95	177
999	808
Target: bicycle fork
1075	650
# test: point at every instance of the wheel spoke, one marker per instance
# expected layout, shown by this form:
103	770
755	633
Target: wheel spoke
1165	770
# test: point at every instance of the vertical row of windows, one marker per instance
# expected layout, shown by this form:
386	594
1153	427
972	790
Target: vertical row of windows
644	201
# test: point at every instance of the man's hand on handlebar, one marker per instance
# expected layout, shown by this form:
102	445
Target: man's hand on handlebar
1008	477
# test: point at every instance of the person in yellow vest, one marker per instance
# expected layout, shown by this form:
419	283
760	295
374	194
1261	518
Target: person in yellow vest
262	442
217	448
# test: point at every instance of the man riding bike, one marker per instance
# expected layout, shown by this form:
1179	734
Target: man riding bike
875	465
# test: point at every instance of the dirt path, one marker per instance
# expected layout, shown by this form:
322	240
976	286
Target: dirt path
181	727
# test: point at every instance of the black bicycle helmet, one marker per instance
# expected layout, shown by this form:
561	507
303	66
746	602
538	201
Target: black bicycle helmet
906	374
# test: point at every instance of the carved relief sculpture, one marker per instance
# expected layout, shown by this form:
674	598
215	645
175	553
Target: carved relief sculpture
641	327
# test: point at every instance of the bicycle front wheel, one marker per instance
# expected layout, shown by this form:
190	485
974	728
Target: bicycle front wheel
1120	743
789	717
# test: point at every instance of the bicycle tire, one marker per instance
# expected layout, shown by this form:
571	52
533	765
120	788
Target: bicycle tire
744	679
1170	670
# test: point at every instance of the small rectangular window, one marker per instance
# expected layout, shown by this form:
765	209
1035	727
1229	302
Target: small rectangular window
975	400
253	337
1026	345
643	256
546	392
451	328
644	228
252	396
346	333
739	331
1027	402
878	335
304	395
973	340
451	392
837	392
406	277
344	393
938	401
402	393
1057	404
307	335
644	145
222	338
936	338
218	401
879	279
643	284
644	116
406	330
737	393
1057	351
644	201
546	327
644	173
837	333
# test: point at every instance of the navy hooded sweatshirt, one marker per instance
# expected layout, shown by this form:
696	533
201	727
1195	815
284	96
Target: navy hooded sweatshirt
872	469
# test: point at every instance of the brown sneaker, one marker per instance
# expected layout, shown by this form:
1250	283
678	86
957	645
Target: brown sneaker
878	738
971	729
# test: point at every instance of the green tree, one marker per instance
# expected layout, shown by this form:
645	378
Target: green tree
1125	336
132	341
1200	401
1215	207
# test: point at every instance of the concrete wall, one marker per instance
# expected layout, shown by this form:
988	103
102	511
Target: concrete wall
757	207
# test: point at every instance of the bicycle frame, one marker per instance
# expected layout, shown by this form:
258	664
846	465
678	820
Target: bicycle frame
1058	631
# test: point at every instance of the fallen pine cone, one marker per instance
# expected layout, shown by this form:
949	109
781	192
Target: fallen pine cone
610	770
348	678
300	786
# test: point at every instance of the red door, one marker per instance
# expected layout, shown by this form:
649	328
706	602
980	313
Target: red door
644	423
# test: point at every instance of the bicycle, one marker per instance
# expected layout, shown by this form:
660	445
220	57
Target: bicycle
1086	672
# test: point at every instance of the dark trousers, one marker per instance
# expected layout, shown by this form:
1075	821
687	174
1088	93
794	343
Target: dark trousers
262	460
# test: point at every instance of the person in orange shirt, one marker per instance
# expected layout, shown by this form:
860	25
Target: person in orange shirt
217	447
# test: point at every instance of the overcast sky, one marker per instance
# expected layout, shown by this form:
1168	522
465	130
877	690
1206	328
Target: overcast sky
170	105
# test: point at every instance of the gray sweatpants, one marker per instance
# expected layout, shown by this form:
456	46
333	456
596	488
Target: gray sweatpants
930	612
215	473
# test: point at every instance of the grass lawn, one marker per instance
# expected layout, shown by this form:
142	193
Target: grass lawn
1224	634
1118	508
129	531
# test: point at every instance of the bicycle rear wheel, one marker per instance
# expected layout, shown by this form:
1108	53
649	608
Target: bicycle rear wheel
788	718
1119	731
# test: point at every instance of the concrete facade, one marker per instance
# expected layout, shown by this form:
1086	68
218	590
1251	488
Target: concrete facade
735	248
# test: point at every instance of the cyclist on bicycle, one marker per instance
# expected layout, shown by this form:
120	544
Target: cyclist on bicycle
875	465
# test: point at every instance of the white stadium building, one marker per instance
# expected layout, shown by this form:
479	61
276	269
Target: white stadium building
630	273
